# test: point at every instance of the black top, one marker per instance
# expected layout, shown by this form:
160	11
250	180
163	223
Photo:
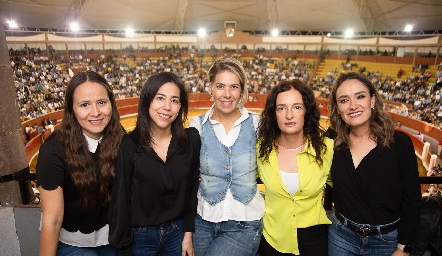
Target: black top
150	192
52	172
384	187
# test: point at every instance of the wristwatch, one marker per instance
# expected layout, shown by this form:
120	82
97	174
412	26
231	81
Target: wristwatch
404	248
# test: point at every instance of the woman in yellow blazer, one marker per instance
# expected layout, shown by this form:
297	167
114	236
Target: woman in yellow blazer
294	160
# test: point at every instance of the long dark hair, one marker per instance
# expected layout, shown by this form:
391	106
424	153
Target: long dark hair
92	189
142	132
269	132
381	124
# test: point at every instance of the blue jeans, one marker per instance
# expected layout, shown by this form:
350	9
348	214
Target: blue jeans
343	241
227	238
165	239
66	249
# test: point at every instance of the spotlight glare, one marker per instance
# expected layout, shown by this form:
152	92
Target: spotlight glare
328	34
129	32
275	32
202	32
408	28
75	27
349	33
12	24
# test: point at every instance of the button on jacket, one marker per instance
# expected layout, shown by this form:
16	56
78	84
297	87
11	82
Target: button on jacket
284	213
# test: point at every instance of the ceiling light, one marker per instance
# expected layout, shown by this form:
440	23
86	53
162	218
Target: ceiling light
12	24
329	34
75	27
408	28
275	32
202	32
129	32
349	33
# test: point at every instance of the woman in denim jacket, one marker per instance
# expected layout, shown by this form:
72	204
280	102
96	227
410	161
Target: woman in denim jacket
230	206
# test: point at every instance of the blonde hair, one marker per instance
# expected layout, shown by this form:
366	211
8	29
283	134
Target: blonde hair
234	66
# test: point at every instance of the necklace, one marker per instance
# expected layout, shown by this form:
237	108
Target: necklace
163	152
293	149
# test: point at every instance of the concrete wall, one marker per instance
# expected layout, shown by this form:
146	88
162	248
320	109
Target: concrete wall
19	231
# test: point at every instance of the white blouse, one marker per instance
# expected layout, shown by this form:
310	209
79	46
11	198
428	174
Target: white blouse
229	208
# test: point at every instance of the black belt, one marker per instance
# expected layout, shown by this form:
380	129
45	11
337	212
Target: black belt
367	231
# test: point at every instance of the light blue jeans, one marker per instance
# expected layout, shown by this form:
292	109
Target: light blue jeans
227	238
66	249
163	240
345	242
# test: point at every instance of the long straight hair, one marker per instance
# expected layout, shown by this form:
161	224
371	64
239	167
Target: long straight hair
142	134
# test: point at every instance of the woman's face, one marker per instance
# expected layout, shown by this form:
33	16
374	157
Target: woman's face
165	106
290	112
354	103
226	92
92	108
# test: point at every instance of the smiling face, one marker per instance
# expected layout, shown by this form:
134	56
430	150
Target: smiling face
354	103
290	112
92	108
226	92
165	106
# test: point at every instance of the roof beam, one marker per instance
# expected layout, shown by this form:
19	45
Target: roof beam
365	15
272	14
179	16
77	7
371	16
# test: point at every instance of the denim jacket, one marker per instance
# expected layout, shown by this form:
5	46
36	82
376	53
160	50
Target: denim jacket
224	168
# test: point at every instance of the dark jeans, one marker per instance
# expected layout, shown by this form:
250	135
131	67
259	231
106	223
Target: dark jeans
345	242
66	249
226	238
312	241
163	240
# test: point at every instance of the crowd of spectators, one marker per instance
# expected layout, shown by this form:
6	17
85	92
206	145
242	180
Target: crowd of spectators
415	92
40	82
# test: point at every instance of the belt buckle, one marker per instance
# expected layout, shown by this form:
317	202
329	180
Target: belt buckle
363	231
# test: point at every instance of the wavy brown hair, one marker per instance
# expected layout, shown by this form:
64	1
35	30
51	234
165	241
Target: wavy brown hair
142	134
92	189
381	124
269	132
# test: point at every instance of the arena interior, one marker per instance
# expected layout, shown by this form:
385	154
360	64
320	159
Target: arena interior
276	40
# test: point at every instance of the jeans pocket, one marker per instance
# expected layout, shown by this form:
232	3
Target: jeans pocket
389	237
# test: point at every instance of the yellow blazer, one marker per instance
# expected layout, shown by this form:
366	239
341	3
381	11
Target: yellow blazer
285	213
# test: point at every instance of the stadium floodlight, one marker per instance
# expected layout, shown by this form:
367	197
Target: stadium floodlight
202	32
408	28
349	33
129	32
12	24
75	27
275	32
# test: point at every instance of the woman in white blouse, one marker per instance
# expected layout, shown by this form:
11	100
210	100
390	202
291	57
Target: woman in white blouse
230	207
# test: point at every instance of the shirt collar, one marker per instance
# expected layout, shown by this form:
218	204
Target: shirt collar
244	115
92	143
